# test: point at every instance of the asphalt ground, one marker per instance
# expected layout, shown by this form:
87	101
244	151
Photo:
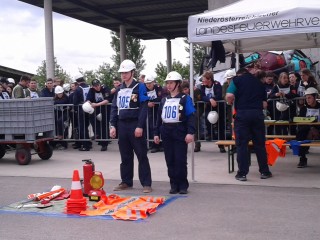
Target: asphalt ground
217	206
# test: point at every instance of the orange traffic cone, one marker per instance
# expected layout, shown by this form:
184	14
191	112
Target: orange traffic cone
76	203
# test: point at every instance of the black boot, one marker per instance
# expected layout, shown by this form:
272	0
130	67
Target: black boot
302	163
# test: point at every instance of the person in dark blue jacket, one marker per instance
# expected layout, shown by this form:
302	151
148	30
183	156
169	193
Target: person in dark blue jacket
79	97
99	96
176	126
211	94
48	91
250	98
128	118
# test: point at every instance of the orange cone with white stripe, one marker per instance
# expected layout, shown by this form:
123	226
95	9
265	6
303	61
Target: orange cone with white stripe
76	203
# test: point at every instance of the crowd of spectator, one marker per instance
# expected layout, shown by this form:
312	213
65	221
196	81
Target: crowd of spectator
73	123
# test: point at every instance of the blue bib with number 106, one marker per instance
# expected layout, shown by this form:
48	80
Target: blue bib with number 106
170	111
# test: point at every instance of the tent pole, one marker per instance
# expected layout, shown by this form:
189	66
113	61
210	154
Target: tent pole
191	95
237	45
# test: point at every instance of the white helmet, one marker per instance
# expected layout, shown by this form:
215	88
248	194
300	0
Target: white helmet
230	73
58	89
310	90
11	80
143	73
126	66
173	76
79	78
86	107
149	79
282	106
66	87
213	117
99	117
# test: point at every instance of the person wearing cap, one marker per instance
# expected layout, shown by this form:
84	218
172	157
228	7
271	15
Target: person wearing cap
176	127
228	76
129	111
19	91
154	92
32	90
61	117
79	98
99	96
249	121
48	90
11	82
310	109
142	76
211	93
3	93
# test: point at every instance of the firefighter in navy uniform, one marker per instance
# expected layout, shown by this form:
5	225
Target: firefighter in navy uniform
79	97
99	96
154	92
176	126
249	121
310	109
128	117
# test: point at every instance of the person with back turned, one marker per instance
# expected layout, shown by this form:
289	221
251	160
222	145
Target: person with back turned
249	121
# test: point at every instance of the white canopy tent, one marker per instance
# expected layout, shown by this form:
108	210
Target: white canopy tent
252	25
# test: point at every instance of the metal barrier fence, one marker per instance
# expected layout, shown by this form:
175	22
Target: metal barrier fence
73	125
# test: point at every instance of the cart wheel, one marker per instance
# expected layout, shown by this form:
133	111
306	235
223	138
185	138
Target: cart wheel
46	152
23	156
2	151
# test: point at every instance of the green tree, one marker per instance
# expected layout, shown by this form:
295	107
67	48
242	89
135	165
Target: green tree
41	75
134	51
161	71
105	73
198	54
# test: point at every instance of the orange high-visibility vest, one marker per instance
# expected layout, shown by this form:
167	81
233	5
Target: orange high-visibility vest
275	149
128	208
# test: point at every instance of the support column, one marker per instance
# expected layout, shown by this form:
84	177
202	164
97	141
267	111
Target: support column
49	38
169	56
123	49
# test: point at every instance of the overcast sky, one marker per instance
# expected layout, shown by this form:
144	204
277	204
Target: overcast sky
77	45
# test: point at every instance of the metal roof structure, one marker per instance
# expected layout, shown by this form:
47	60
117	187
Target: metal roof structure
143	19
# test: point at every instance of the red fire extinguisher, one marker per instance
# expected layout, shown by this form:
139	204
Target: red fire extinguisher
88	170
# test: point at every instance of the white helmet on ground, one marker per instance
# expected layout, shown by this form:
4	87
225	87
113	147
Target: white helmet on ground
99	117
173	76
127	66
58	89
66	87
310	90
149	79
213	117
86	107
282	106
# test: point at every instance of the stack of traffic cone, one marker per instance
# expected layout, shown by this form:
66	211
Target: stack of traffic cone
76	203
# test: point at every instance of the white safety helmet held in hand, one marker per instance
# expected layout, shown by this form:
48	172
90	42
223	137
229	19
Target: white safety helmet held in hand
99	117
310	90
58	89
213	117
173	76
149	79
66	87
86	107
127	66
282	106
